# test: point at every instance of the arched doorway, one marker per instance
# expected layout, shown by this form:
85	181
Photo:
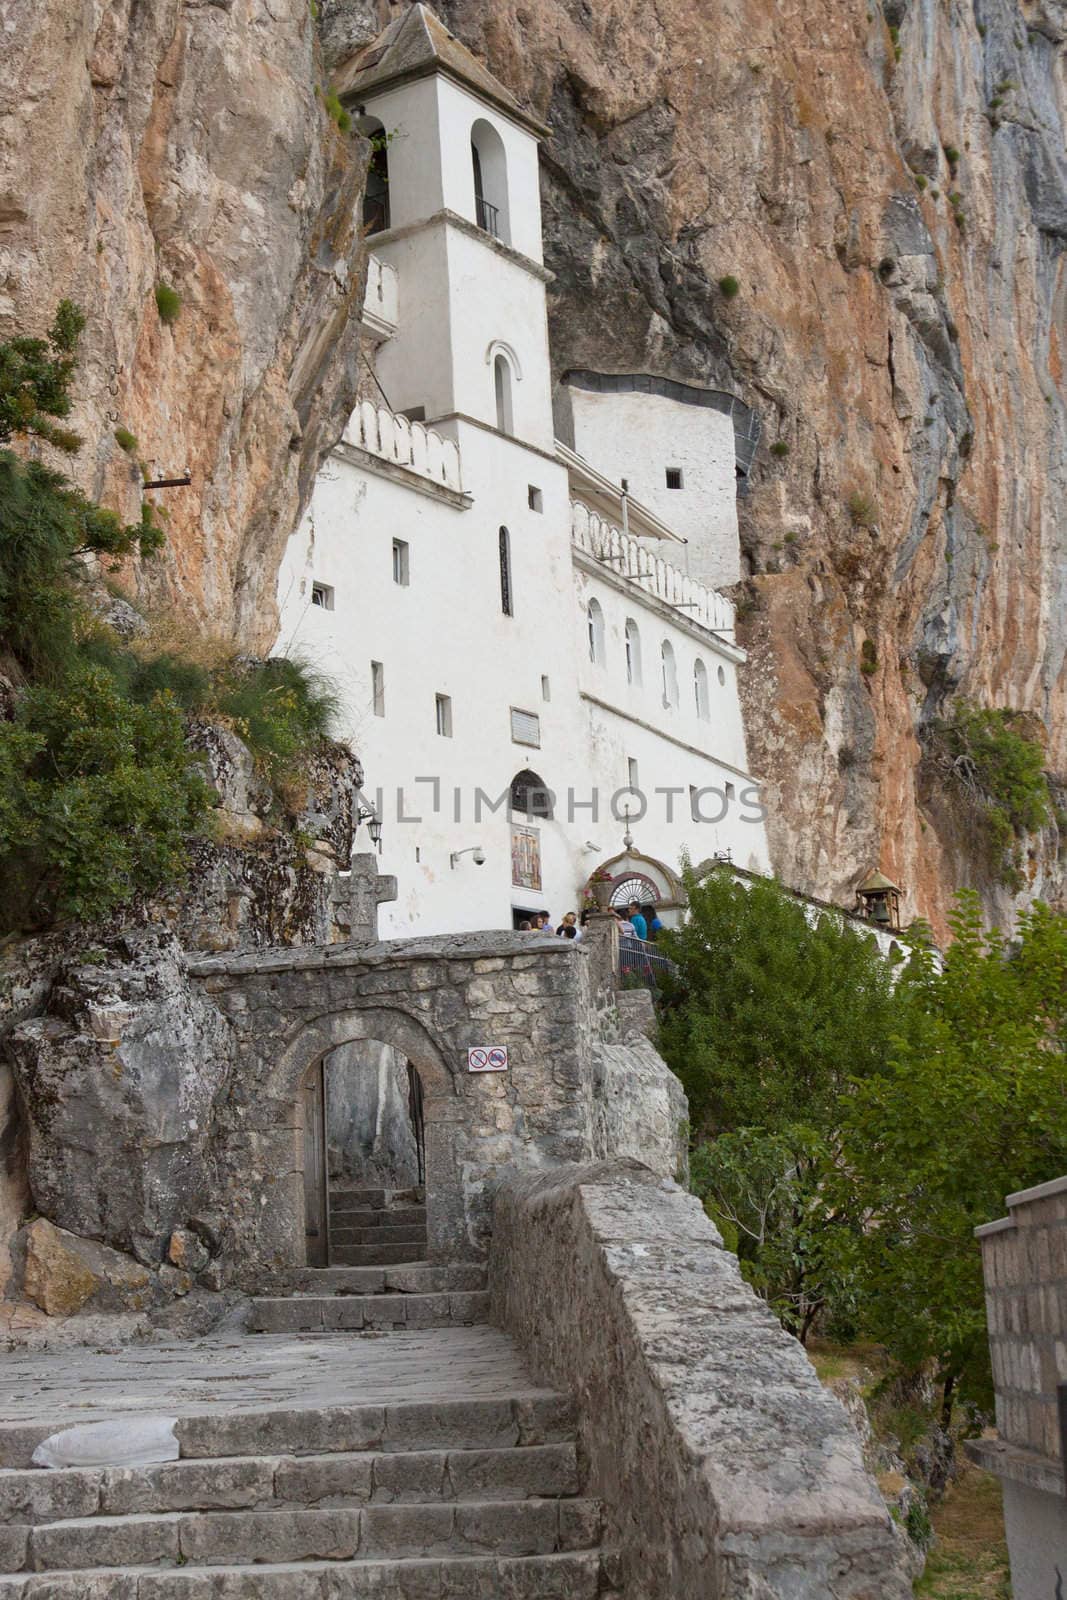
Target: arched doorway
364	1157
300	1074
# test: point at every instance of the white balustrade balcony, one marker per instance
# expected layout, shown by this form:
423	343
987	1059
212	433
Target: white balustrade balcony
381	303
625	556
393	438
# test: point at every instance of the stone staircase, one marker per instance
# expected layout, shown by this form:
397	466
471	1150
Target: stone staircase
379	1279
468	1499
376	1227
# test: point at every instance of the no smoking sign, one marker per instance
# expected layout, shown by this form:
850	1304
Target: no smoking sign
487	1058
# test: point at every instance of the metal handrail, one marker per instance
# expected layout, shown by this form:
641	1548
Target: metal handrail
488	216
640	956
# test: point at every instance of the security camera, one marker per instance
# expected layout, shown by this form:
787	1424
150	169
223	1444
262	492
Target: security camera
479	857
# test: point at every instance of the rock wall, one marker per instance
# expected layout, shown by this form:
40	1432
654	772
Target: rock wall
370	1140
726	1467
888	185
178	142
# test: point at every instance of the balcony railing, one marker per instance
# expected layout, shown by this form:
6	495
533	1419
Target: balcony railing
393	438
488	216
640	961
629	559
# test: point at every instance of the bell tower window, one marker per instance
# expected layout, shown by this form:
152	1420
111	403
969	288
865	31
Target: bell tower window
505	418
376	194
490	172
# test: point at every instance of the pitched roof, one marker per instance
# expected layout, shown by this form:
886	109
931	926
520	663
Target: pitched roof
418	43
877	880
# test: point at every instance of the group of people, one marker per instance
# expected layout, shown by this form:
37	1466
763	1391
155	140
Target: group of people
637	921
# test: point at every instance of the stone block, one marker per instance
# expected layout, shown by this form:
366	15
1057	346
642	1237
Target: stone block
14	1544
408	1530
275	1536
518	1527
63	1273
35	1496
580	1524
482	1424
313	1480
550	1469
104	1542
303	1431
410	1476
187	1486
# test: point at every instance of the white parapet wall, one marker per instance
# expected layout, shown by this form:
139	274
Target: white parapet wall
727	1469
630	558
391	437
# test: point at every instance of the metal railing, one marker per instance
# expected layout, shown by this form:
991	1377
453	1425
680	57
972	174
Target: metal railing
640	958
488	216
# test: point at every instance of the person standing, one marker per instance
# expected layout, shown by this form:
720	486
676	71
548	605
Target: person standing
640	926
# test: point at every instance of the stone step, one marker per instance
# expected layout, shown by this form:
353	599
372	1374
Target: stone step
246	1483
419	1278
529	1417
374	1199
377	1255
571	1576
385	1217
341	1237
330	1313
211	1538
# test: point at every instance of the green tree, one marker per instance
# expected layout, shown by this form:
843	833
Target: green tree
971	1105
98	800
770	1022
35	379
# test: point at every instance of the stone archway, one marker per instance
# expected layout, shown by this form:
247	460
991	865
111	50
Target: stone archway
447	1232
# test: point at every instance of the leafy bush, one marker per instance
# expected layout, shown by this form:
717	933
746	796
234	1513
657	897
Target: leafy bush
862	509
280	708
952	156
168	303
97	800
868	658
46	526
780	449
729	287
336	111
126	441
995	773
35	377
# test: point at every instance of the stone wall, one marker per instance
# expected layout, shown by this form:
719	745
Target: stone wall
430	999
1024	1259
730	1472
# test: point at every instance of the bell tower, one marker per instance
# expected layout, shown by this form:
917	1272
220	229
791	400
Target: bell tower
453	204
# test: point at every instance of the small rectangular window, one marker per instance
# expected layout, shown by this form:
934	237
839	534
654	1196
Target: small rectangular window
534	497
414	413
625	482
546	688
631	773
322	595
401	566
443	703
694	802
377	688
674	477
730	791
525	727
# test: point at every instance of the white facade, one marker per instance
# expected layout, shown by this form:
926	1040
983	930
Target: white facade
678	458
457	675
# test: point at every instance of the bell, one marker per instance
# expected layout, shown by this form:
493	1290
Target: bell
880	911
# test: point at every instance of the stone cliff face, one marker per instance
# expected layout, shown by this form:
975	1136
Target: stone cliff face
889	188
182	142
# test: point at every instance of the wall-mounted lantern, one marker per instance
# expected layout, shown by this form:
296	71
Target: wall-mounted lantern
879	901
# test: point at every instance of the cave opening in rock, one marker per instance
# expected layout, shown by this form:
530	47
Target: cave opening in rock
364	1158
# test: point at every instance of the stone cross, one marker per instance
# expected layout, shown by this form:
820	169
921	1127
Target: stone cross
367	890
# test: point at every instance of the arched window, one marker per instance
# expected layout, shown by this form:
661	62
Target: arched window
633	652
490	171
700	690
505	420
670	674
531	796
596	631
376	194
505	573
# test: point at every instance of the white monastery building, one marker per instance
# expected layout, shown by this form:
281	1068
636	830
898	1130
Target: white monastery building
525	632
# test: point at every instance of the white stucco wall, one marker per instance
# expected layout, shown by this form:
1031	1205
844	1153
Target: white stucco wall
445	631
637	437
